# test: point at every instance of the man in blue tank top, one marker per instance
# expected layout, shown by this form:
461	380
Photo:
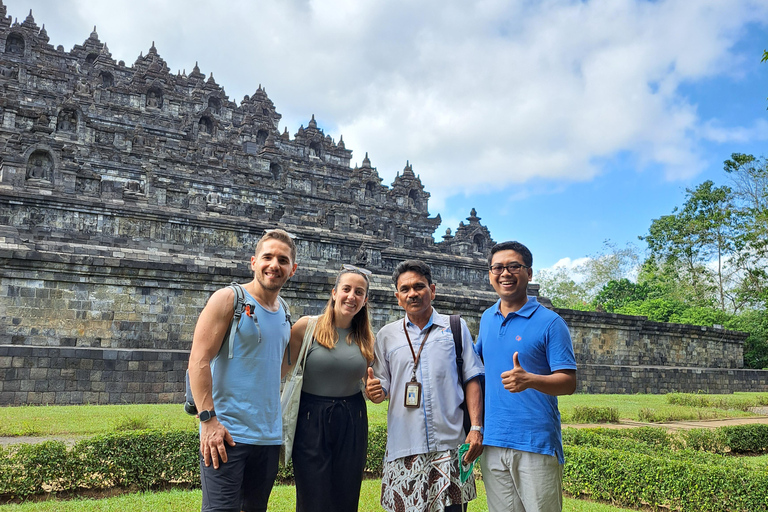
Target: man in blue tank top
237	392
529	362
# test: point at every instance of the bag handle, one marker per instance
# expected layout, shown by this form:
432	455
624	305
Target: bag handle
309	334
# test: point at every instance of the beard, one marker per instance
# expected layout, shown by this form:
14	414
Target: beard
270	284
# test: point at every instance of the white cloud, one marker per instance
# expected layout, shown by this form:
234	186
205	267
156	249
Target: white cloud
714	131
475	94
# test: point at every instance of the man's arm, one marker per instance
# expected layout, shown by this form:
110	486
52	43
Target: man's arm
559	382
209	334
473	394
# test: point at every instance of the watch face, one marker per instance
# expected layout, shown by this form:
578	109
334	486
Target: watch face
206	415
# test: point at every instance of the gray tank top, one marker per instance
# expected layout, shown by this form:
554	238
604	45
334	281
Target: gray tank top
334	372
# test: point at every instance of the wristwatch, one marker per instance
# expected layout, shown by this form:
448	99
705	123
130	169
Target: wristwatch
476	428
206	415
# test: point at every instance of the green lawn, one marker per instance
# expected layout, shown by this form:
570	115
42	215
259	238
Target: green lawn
282	500
629	406
88	420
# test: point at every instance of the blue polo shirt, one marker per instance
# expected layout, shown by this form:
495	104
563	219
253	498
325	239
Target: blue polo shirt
529	420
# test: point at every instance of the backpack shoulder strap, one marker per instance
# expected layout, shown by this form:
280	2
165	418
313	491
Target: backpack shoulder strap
238	304
290	323
458	343
286	309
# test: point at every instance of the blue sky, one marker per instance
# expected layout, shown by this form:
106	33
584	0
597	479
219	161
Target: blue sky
564	123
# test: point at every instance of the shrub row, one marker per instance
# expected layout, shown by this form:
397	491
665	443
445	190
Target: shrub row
587	414
634	479
740	439
142	459
136	459
719	402
607	464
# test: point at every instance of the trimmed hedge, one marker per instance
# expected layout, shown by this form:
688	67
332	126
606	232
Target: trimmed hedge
633	479
143	460
648	466
656	468
752	438
586	414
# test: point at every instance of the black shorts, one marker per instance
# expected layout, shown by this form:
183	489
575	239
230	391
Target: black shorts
243	483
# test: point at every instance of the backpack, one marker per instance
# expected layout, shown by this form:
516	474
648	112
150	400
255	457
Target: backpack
239	306
458	344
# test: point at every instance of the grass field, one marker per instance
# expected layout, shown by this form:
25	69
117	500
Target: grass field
282	500
88	420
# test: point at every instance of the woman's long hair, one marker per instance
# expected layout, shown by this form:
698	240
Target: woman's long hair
360	330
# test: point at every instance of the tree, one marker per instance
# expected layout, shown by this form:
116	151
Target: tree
576	288
618	293
749	176
558	285
702	232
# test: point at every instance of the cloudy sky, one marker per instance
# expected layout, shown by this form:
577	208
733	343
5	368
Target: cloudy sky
564	123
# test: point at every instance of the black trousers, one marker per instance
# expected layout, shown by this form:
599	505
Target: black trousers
329	452
244	482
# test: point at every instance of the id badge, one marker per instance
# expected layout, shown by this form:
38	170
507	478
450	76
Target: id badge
413	394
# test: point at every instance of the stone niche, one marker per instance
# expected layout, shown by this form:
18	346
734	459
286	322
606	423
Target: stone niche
130	193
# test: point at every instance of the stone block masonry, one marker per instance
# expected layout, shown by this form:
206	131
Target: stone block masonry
129	193
65	376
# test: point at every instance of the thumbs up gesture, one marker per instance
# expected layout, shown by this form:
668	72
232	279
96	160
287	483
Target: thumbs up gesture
516	379
373	388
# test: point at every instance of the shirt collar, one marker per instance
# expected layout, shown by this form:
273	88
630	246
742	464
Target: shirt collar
526	311
436	319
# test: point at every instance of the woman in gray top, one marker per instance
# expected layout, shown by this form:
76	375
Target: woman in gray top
331	442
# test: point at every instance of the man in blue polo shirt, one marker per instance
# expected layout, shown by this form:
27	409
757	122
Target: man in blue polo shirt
529	361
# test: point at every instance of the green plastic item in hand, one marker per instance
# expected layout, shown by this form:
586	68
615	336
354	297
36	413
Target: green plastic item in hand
464	469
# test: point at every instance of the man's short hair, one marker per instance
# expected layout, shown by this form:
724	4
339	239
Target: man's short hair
417	266
280	235
512	246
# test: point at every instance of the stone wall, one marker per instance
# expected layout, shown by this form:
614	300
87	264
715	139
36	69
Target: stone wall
620	340
595	378
78	333
128	194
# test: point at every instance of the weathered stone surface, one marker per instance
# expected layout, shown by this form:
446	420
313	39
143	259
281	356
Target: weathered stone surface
128	194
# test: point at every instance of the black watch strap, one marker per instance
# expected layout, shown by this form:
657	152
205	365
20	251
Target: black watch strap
206	415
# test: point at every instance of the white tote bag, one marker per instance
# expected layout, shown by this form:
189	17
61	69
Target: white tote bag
291	394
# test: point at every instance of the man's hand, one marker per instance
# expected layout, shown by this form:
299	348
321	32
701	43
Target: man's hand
213	435
516	379
475	440
373	388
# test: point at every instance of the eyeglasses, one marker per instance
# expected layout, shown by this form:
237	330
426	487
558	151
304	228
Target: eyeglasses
512	268
351	268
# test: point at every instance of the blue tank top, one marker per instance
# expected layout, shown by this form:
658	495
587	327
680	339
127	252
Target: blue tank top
246	388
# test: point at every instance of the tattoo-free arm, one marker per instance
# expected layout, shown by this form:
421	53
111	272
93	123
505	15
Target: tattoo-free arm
473	394
209	334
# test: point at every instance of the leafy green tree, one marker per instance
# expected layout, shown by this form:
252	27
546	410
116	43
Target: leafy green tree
754	322
703	231
576	288
749	176
657	309
700	315
559	286
618	293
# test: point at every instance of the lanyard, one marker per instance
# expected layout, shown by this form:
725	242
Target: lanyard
413	352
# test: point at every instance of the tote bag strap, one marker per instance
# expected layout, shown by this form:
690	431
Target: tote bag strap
309	334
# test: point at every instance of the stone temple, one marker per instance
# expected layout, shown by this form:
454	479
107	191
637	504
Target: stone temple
129	193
